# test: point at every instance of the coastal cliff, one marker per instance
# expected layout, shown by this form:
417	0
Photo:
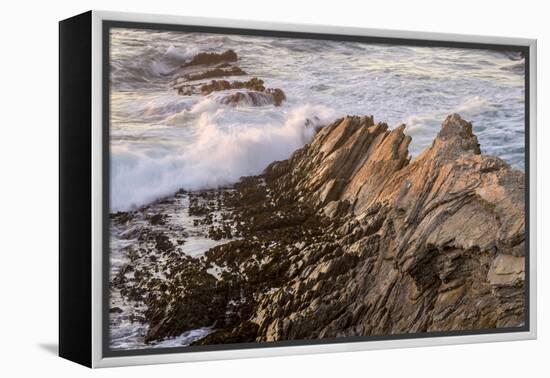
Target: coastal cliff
348	237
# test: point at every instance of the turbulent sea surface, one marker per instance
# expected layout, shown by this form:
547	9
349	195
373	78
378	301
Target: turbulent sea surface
161	141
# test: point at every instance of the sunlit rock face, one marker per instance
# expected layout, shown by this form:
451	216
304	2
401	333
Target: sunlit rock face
348	237
433	244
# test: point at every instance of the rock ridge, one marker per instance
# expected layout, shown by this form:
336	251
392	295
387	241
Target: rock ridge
186	81
351	237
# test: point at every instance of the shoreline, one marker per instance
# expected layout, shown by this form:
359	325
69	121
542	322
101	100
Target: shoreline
346	206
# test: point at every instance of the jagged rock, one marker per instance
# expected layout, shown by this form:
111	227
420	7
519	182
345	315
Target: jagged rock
256	95
188	300
251	98
204	66
253	84
348	237
440	239
199	68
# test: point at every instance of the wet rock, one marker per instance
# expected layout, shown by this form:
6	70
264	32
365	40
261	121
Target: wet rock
215	72
115	310
163	243
212	58
187	301
253	84
158	220
251	99
122	217
277	94
256	95
185	81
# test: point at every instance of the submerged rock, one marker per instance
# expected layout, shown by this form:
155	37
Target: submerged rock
204	66
253	98
256	93
185	81
253	84
215	72
277	94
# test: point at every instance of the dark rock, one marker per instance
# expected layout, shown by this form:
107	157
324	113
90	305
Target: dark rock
256	95
278	95
158	220
253	84
215	72
115	310
212	58
250	98
122	217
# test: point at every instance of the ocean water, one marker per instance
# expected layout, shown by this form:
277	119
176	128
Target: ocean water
161	141
127	327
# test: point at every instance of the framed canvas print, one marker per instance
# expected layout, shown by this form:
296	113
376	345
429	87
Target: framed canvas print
234	189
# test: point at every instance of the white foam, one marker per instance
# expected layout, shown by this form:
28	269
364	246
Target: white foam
215	147
184	339
473	105
173	58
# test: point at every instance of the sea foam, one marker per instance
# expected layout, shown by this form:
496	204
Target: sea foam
219	145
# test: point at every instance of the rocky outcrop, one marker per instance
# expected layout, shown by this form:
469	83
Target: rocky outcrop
253	84
254	92
205	66
216	65
437	244
349	237
212	58
214	72
249	98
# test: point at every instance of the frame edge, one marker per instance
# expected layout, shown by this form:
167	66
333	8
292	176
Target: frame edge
97	183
